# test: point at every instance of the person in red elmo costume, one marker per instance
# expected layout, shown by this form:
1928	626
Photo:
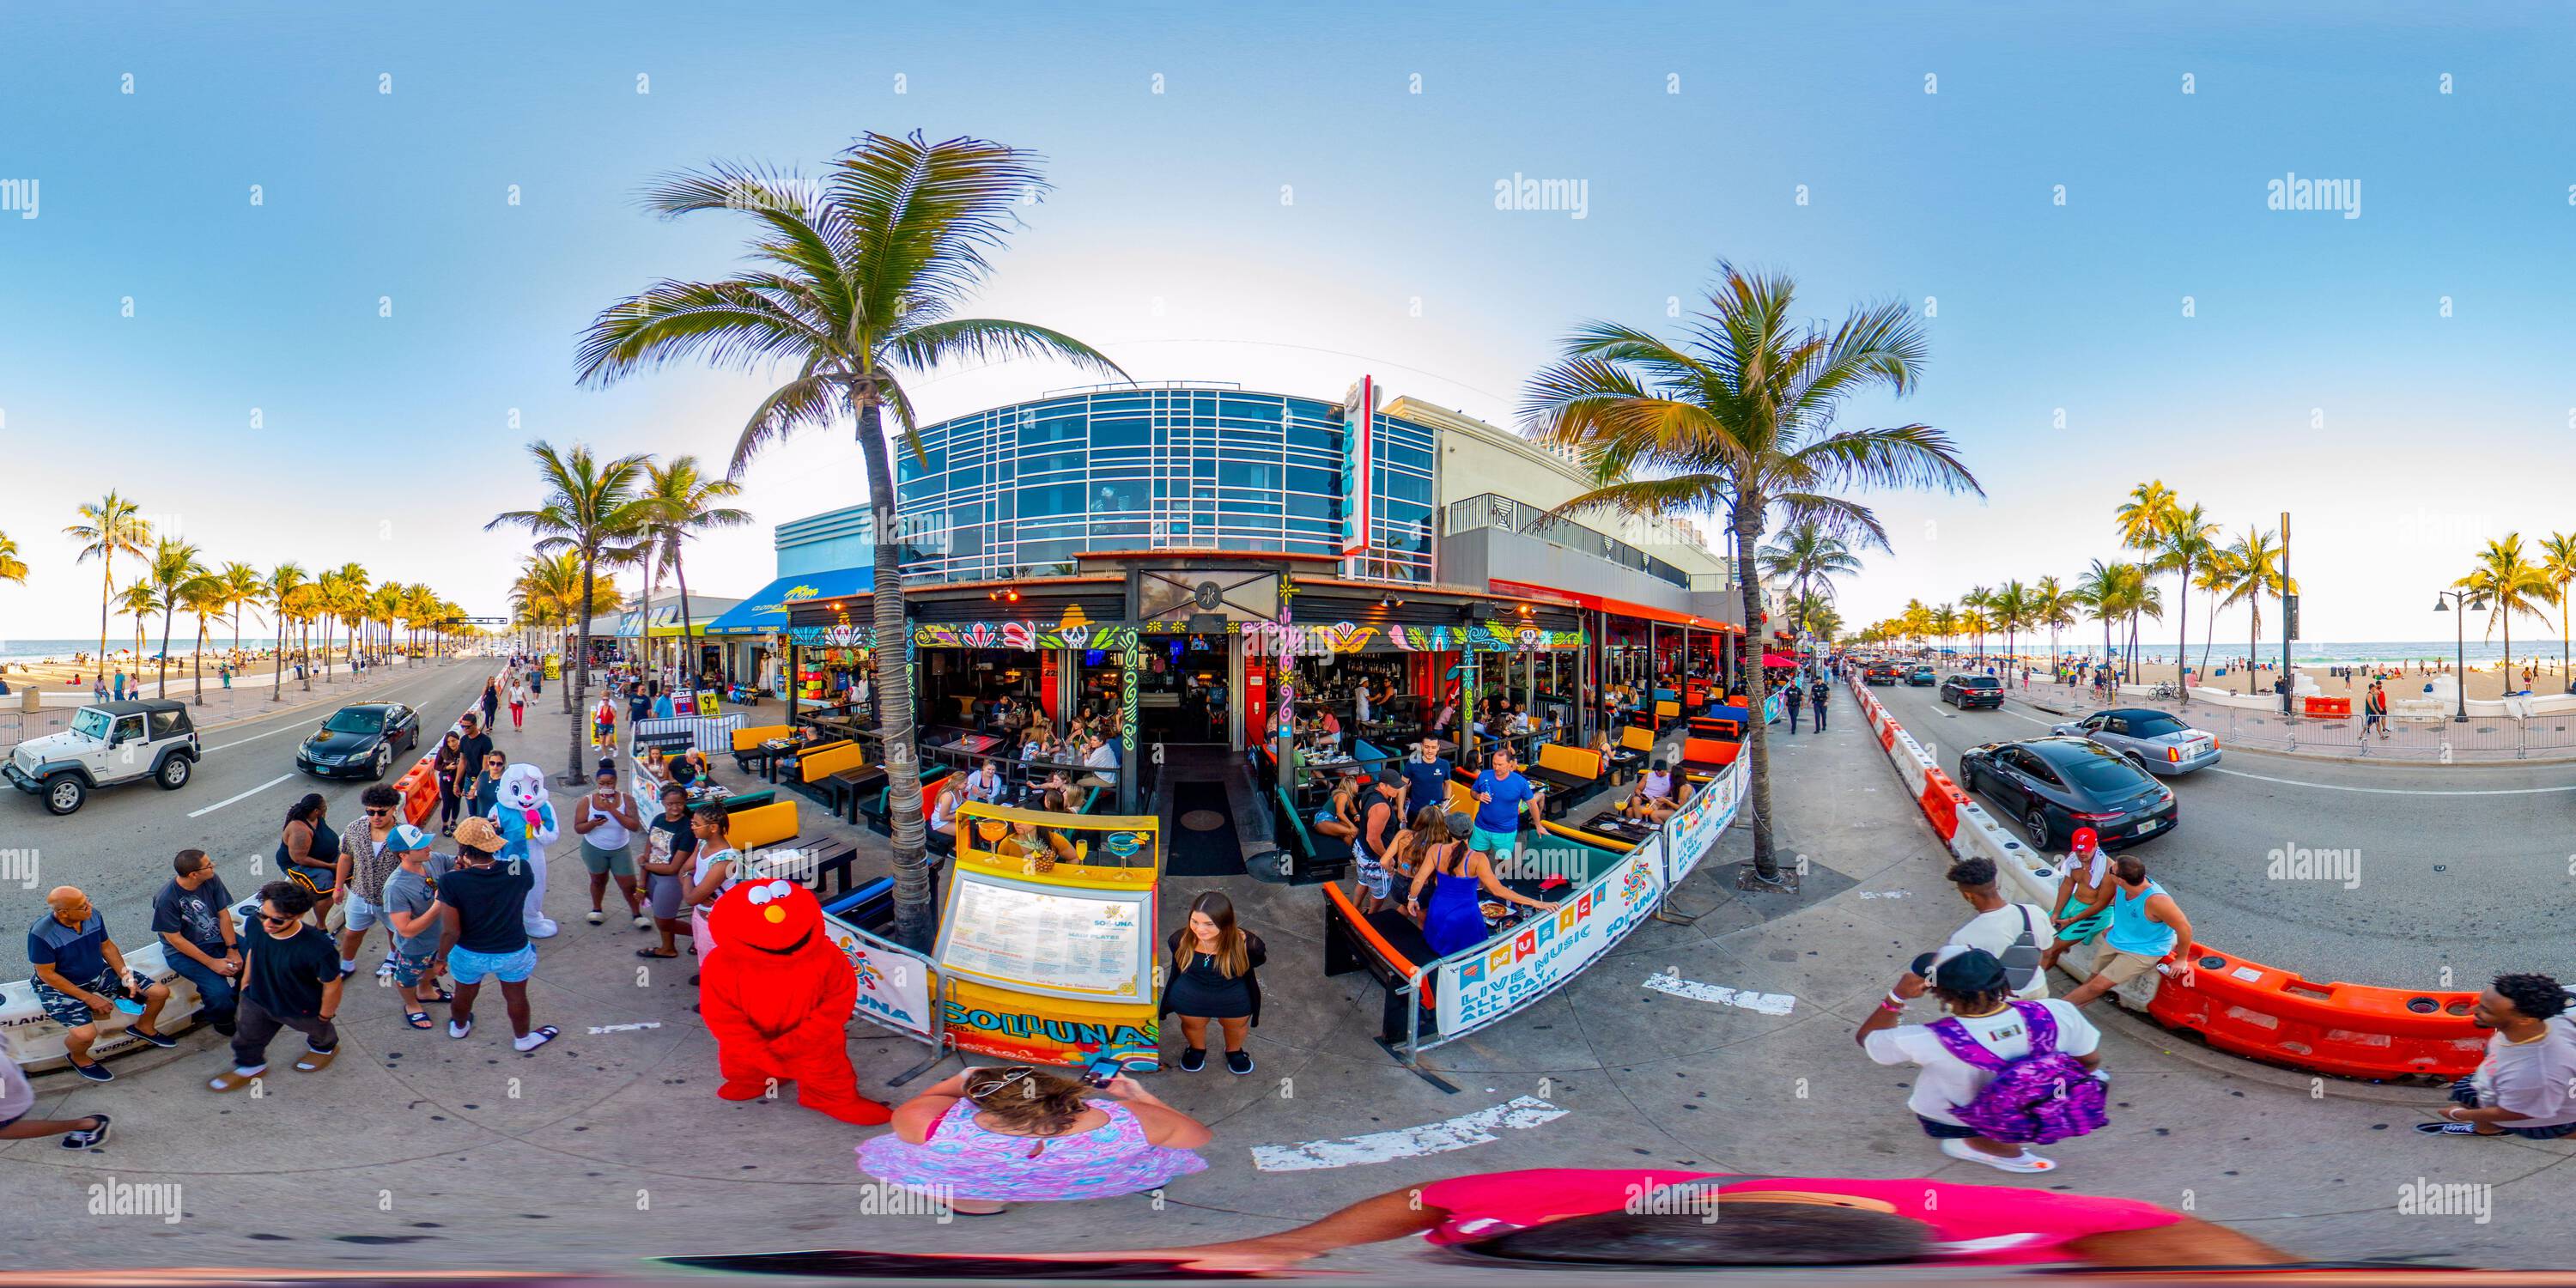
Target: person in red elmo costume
777	995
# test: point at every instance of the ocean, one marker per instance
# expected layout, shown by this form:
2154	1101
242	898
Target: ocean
183	642
2304	652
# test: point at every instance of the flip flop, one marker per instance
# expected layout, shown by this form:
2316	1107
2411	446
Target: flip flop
655	954
417	1019
544	1034
2449	1129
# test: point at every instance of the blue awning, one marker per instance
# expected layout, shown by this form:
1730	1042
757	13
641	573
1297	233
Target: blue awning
766	611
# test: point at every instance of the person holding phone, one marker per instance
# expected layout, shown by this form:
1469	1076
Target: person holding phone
990	1137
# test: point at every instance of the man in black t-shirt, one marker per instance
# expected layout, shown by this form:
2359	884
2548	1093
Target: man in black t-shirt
193	916
477	745
486	933
290	979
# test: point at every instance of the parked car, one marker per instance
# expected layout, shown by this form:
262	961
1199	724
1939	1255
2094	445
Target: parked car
109	743
1967	692
2156	740
359	741
1922	677
2057	784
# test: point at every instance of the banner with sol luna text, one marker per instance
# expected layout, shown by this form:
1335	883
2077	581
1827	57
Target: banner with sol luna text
1695	830
894	985
1532	958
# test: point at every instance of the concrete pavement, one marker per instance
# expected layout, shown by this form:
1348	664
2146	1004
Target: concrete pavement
605	1147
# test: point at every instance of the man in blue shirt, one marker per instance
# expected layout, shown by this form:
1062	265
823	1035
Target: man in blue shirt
1501	795
80	975
1426	777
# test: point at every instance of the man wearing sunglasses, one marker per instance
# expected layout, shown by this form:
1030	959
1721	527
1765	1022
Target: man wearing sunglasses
366	859
290	980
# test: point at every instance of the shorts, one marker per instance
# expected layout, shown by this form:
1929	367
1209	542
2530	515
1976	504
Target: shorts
2119	967
665	892
1938	1130
469	967
602	862
1375	879
71	1012
1494	842
410	966
323	882
362	914
2465	1093
2083	930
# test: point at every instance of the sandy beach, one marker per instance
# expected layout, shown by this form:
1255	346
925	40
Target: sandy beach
56	676
2403	679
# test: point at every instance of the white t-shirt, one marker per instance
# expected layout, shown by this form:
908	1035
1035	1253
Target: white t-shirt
16	1096
1995	931
1946	1080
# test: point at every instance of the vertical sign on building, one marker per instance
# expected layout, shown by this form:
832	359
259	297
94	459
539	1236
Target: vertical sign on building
1359	454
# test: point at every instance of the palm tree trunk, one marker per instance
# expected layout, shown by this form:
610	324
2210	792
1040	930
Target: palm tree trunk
277	675
197	663
2212	633
576	693
563	682
1748	520
106	592
2182	635
913	912
161	680
2253	642
689	651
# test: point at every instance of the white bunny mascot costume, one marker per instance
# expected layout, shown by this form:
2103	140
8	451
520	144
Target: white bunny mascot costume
525	813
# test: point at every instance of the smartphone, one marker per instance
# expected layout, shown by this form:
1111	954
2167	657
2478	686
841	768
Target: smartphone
1102	1069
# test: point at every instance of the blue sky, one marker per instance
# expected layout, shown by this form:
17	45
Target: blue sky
1288	212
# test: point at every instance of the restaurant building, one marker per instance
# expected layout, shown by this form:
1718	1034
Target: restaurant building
1188	555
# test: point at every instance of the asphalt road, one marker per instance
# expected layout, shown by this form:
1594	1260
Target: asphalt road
2410	876
118	847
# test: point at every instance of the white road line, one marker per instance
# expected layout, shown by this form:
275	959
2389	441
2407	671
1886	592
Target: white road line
1462	1132
1720	995
624	1028
243	797
2398	791
254	738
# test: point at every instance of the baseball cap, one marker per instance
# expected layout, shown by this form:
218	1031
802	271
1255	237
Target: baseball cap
2086	838
1460	826
405	838
1973	971
478	834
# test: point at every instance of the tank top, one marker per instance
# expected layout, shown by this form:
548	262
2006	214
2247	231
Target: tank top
1659	784
2131	931
323	852
610	834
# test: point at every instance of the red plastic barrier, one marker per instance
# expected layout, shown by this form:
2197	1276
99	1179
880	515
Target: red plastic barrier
420	791
2328	706
2356	1030
1941	801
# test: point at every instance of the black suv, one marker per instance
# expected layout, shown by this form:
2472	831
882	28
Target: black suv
1967	692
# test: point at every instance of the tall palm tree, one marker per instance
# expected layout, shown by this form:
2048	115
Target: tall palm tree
589	510
202	595
174	565
2052	606
2253	573
138	601
1974	603
2096	591
2212	579
683	501
2182	539
2142	516
858	283
109	527
242	587
285	582
2012	608
13	568
2506	583
1945	622
2558	564
349	604
1809	557
1738	418
547	592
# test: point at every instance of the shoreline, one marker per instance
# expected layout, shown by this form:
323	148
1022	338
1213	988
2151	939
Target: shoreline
2402	679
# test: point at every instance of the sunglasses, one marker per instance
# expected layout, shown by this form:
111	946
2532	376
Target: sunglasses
380	813
276	921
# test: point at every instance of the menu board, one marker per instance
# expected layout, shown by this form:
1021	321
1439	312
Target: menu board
1058	940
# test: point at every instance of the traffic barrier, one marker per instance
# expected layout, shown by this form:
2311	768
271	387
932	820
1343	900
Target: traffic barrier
419	788
2237	1005
2327	706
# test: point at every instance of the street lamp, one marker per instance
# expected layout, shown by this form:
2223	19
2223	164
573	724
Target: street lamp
2443	602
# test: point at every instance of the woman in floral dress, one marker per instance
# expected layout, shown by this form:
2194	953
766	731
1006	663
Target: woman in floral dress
994	1136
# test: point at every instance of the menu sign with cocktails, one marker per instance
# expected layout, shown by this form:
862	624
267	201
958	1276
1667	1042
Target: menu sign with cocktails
1056	940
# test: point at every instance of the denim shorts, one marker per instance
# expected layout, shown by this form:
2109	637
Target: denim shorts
362	913
469	967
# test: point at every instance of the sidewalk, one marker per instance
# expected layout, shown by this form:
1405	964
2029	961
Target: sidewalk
609	1145
248	699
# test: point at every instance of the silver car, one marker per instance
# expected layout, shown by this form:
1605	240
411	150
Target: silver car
2159	742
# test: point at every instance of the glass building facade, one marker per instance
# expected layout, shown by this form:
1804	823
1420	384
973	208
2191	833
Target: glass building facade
1019	491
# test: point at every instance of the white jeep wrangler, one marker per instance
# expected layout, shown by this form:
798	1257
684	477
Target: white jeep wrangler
109	743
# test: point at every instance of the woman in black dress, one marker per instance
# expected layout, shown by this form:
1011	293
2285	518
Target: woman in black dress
1214	965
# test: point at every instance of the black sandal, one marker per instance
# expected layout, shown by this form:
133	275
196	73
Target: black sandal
655	954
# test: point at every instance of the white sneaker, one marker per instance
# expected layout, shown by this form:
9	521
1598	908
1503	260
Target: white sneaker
2023	1164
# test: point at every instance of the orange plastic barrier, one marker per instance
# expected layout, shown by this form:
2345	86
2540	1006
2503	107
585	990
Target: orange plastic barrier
2356	1030
2328	706
1941	801
420	791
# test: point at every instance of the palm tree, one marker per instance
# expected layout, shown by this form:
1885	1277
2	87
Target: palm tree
858	283
2253	572
202	595
682	500
547	591
2506	583
1944	622
242	587
2011	606
2096	590
13	568
2212	579
137	602
349	604
285	582
2052	606
110	526
1738	418
2181	540
1975	602
174	565
2142	516
1809	556
589	510
2558	564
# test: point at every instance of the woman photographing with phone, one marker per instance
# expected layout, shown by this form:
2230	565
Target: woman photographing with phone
995	1136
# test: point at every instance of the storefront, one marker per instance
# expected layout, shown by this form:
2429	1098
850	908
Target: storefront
752	631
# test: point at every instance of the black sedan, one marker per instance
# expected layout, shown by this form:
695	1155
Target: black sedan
2055	785
359	741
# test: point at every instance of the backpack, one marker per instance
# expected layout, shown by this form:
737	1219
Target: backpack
2021	957
2041	1098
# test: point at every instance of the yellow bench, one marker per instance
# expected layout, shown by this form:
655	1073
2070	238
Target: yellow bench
831	760
762	825
1636	738
1666	713
1570	774
751	738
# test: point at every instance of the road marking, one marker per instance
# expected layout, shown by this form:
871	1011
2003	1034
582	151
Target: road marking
624	1028
1465	1131
2397	791
254	738
1720	995
243	797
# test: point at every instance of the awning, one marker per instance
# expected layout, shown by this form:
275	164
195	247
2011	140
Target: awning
766	611
1614	607
1778	659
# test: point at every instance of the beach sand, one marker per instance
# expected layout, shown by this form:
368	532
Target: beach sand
57	676
2405	679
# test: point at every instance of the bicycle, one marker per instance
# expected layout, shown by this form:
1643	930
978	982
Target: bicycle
2164	691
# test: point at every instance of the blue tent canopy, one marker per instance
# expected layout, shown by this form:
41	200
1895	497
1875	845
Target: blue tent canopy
766	611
